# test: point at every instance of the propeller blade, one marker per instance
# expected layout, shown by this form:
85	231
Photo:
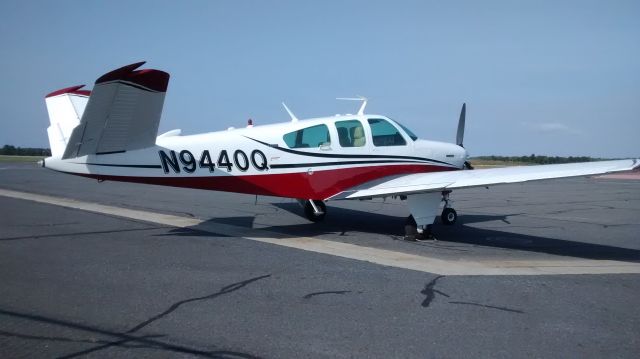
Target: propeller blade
460	135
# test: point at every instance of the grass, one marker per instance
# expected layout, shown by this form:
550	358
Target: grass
5	158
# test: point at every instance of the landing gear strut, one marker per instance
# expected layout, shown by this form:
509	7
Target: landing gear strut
315	210
449	215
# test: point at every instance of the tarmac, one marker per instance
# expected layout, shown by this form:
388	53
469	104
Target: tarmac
541	269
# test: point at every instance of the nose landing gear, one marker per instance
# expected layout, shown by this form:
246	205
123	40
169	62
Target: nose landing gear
449	215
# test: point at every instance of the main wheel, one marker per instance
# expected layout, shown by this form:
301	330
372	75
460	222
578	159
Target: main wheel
311	214
449	216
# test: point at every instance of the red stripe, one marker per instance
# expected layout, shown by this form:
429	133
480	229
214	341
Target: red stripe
152	79
319	185
72	90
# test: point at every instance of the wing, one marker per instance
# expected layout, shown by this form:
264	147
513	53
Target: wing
439	181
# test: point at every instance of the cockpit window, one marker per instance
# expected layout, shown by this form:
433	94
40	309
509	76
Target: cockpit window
385	134
310	137
408	131
350	133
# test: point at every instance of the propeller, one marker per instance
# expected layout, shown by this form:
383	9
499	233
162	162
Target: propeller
460	134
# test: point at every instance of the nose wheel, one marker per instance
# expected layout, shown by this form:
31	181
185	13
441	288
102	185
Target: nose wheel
449	216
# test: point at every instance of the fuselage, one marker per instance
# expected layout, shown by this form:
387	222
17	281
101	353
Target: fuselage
306	159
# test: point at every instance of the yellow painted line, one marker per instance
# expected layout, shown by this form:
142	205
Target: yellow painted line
557	265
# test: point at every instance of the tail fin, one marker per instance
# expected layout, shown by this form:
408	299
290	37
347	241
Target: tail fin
65	108
122	113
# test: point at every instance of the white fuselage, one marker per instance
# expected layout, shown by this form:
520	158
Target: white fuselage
258	160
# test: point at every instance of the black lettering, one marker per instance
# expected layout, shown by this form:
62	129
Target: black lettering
169	161
223	160
245	161
188	161
205	161
260	165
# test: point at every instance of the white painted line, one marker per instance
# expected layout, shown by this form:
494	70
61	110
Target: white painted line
559	265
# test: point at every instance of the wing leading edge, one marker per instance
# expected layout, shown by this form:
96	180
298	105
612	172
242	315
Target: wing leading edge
439	181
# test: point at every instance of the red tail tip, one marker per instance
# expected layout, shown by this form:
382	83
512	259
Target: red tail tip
73	90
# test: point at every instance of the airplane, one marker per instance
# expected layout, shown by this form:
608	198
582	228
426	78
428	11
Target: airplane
111	134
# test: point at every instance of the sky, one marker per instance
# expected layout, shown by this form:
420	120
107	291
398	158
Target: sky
557	78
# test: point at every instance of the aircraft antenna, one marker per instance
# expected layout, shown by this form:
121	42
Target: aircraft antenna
293	117
359	98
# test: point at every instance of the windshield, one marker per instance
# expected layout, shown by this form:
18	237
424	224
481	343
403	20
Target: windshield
408	131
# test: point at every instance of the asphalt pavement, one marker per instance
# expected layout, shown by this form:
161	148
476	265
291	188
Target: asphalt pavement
81	283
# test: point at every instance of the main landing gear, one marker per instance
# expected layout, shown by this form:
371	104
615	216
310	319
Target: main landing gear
314	209
424	209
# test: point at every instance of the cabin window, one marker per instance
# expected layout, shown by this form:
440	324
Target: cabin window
350	133
310	137
408	131
385	134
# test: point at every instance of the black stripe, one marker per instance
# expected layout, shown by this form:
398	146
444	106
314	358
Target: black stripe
116	165
109	153
331	155
320	164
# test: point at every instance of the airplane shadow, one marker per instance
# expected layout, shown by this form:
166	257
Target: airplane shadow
341	222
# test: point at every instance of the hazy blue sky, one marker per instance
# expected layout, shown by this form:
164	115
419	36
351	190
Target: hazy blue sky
544	77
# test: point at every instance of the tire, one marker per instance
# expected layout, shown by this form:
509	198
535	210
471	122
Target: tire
449	216
311	215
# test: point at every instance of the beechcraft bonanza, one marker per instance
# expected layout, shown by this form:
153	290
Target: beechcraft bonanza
110	133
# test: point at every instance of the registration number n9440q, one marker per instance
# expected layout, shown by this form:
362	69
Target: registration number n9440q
177	161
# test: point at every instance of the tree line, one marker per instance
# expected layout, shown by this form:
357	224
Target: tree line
24	151
542	160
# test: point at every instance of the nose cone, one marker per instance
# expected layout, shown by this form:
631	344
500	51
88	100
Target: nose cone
463	153
460	155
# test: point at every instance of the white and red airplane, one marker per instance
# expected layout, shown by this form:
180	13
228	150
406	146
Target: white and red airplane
110	134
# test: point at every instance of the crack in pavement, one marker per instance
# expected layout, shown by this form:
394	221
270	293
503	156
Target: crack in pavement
73	234
144	341
489	306
126	337
63	339
430	292
326	292
225	290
